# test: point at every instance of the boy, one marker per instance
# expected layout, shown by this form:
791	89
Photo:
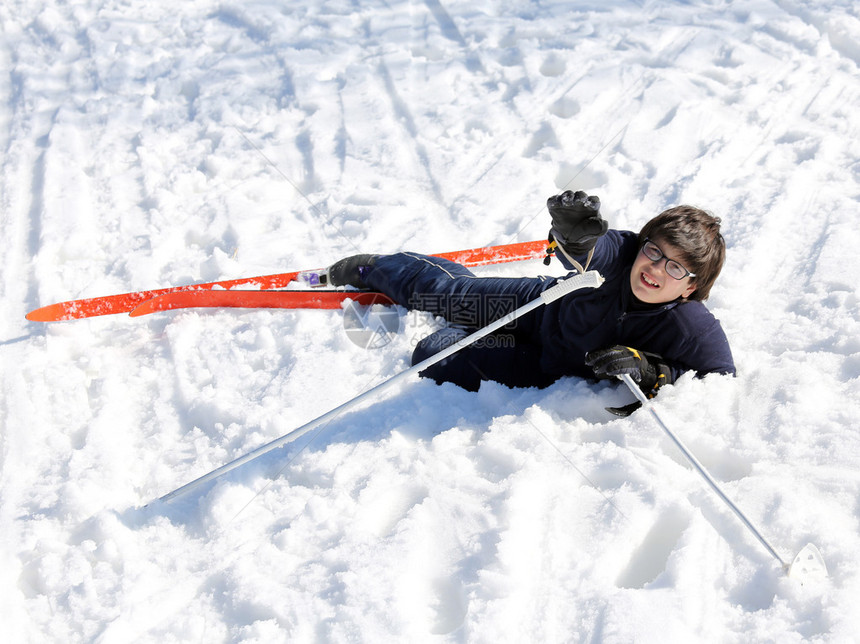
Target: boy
646	320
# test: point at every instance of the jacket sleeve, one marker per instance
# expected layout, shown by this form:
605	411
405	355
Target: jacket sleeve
704	348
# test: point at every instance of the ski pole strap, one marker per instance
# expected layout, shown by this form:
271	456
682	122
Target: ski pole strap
550	249
555	247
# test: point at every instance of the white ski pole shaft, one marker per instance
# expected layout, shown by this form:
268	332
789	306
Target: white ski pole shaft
590	279
701	468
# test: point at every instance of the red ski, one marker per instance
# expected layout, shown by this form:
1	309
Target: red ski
127	302
314	299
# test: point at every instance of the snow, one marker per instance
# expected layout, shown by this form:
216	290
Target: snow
149	144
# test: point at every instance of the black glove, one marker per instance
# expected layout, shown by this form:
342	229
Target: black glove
648	369
576	221
350	271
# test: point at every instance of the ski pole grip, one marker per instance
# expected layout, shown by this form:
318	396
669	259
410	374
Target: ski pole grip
589	279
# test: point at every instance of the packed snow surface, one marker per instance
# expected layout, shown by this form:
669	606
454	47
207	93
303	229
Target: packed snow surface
150	144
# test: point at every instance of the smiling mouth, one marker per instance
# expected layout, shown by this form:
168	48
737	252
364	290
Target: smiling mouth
649	282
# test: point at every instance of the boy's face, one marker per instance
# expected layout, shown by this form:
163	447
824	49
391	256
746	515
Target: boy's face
649	280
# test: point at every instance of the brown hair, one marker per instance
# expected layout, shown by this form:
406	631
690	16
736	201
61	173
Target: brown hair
696	234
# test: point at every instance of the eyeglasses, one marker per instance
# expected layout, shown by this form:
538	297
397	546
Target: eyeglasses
673	269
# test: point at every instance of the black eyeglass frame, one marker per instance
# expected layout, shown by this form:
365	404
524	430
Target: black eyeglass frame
670	263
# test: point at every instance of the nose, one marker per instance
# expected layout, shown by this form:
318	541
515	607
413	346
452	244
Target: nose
659	264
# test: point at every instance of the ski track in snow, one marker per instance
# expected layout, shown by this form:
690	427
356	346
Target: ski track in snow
149	144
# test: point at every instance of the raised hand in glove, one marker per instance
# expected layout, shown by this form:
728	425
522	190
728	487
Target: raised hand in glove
576	221
648	369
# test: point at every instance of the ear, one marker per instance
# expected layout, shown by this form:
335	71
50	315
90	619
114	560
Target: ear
689	291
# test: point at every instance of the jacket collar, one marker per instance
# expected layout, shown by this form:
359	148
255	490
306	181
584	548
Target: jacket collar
630	304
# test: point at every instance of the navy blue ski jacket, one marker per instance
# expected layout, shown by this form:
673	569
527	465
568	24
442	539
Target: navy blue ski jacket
685	334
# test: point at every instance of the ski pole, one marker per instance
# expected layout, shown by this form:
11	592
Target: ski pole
807	563
590	279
